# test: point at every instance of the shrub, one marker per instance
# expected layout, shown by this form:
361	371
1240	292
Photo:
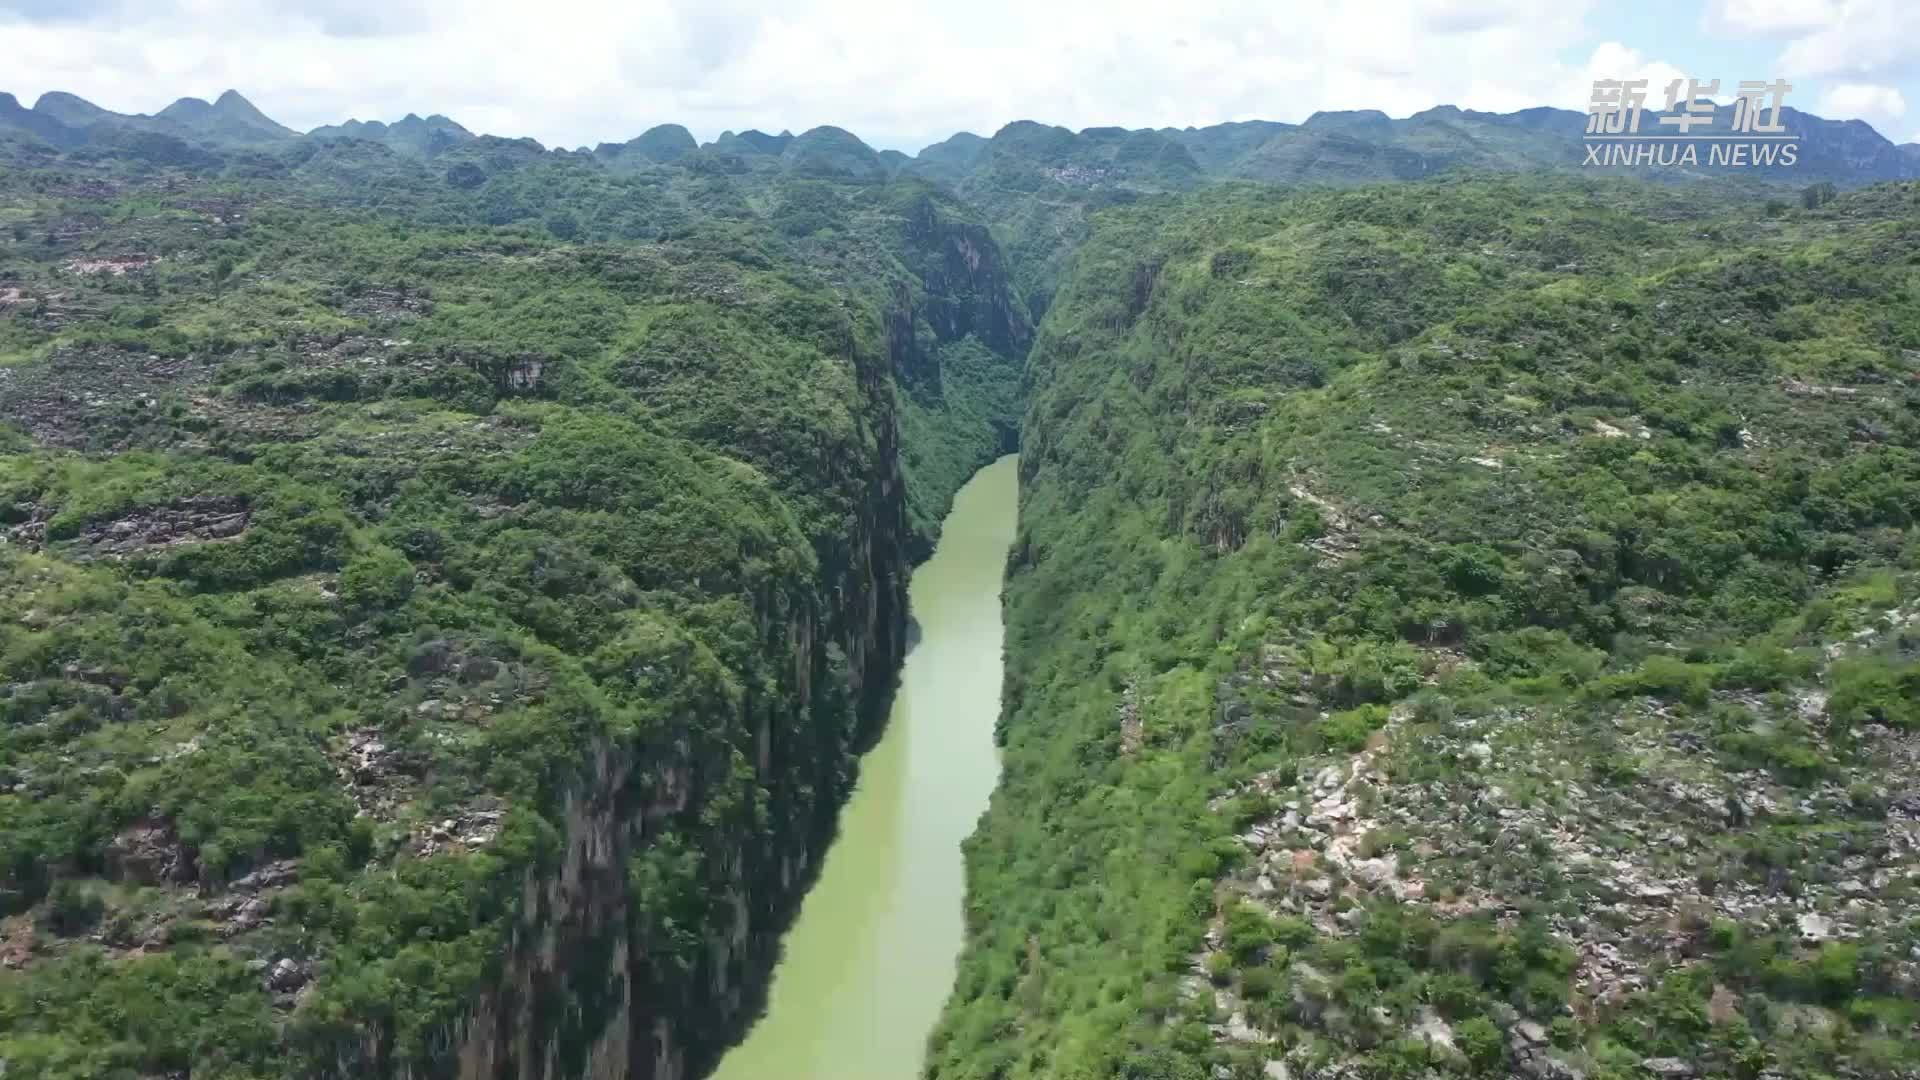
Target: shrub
1249	932
1452	994
1259	983
1293	931
1479	1041
1219	967
1875	689
375	581
72	908
1349	730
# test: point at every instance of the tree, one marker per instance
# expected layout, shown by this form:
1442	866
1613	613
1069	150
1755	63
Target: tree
72	908
1815	196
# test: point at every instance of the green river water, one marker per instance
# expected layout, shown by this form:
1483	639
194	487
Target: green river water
871	958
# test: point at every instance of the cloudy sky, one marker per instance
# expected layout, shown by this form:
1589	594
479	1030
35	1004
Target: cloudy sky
903	73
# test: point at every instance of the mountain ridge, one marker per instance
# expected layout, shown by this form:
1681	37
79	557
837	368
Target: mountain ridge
229	120
1328	146
410	133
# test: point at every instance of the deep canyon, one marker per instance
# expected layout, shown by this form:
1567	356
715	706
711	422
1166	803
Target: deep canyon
1462	616
871	958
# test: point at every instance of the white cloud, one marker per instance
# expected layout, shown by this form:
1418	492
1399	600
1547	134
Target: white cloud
580	71
1767	18
1863	37
1877	105
1613	60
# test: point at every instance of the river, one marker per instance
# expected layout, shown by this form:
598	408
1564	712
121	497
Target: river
871	957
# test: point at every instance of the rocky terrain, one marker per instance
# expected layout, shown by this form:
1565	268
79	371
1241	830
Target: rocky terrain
1446	641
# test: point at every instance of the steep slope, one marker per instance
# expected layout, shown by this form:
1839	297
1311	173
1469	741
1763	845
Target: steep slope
35	123
659	145
230	121
453	592
71	110
1034	184
958	339
1465	627
950	159
831	153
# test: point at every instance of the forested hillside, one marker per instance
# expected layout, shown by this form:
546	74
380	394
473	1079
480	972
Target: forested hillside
1468	627
1037	183
443	599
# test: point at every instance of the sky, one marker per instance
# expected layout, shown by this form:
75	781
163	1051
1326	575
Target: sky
902	74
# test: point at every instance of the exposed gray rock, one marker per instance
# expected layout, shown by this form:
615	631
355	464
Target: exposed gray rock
149	853
1376	872
287	976
1815	927
184	522
271	876
1433	1030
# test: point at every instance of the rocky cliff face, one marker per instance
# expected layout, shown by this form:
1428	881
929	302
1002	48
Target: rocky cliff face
596	983
966	282
963	289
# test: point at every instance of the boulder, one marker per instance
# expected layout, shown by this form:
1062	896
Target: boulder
149	853
286	976
1376	872
1815	927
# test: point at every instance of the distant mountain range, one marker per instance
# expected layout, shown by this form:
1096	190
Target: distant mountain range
1330	147
428	137
66	120
1367	145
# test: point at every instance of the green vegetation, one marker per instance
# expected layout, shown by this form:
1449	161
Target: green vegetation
1427	599
435	582
1465	628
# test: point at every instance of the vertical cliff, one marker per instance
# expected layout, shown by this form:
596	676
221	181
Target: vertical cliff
641	941
643	944
453	624
958	336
